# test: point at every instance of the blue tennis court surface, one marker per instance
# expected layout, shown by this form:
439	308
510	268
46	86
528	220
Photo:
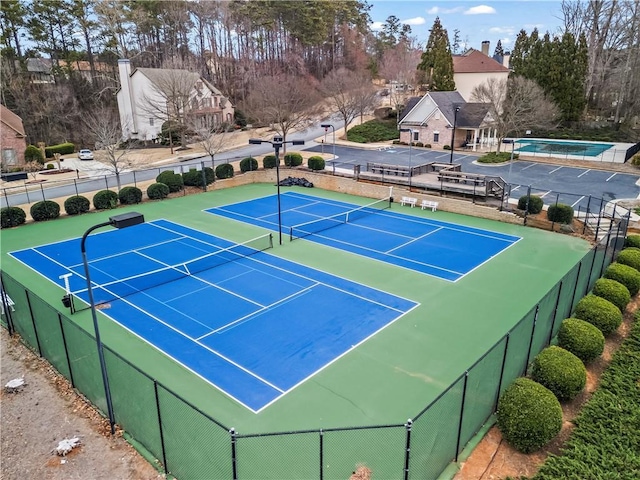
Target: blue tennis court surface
440	249
253	325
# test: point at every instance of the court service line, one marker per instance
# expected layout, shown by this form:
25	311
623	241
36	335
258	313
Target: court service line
414	240
487	260
584	173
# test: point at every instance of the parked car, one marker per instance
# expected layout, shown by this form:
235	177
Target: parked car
85	154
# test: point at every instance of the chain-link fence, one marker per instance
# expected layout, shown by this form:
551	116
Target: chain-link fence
191	444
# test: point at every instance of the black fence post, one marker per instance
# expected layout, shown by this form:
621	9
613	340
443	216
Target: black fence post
204	177
162	446
234	458
555	312
407	449
504	361
33	322
586	216
464	394
533	331
321	454
526	208
575	288
42	191
66	350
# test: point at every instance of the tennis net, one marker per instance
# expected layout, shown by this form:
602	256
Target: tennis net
121	288
316	226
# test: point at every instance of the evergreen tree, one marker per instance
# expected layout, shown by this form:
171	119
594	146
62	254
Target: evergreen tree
498	52
436	60
519	53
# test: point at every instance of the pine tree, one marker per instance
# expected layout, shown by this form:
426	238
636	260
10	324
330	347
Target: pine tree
498	52
520	53
436	60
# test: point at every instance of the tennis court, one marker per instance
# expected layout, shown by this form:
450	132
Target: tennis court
440	249
253	325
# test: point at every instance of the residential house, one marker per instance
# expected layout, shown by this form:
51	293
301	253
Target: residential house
473	68
13	139
145	103
432	118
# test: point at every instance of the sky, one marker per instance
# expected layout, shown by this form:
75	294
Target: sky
477	21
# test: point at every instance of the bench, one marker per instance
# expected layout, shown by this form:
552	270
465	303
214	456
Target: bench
429	204
461	177
10	303
408	201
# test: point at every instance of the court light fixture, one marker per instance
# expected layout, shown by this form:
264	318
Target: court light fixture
123	220
326	126
277	143
453	132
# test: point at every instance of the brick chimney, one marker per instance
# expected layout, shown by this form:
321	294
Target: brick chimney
485	47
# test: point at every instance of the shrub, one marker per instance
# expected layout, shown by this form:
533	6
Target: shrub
613	291
61	148
632	241
529	415
599	312
560	213
209	175
427	145
269	161
419	144
172	180
157	191
50	166
581	338
535	203
630	256
316	163
192	178
224	170
293	159
624	274
45	210
446	147
248	164
495	157
76	205
12	217
130	195
560	371
374	131
33	154
105	200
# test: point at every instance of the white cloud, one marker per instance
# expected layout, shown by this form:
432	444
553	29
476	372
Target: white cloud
530	26
506	41
507	30
480	10
414	21
443	11
375	26
433	11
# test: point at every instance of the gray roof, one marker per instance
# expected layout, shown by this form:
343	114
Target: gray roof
471	115
447	102
412	102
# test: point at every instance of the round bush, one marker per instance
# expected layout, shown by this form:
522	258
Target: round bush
157	191
33	154
130	195
599	312
630	256
613	291
581	338
224	170
45	210
105	200
248	164
192	178
535	203
560	371
269	161
209	175
172	180
12	217
316	163
560	213
529	415
632	240
293	159
76	205
626	275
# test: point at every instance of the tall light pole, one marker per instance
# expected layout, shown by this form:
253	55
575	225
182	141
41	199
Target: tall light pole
118	221
277	144
411	132
453	132
325	126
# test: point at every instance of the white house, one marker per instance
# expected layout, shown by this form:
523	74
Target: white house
473	68
146	99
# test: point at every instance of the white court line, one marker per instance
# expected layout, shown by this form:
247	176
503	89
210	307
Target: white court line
584	173
611	177
414	240
554	170
577	201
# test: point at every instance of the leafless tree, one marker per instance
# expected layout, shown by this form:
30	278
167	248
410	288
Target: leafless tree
32	168
516	105
212	139
348	93
104	126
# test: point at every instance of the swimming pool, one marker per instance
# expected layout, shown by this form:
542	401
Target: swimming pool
560	147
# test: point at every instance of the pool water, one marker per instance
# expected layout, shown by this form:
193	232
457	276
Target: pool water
557	147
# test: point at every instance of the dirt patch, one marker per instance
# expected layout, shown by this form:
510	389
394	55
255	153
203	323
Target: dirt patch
46	411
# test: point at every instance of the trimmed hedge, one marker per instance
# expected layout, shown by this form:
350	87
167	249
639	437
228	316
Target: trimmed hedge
157	191
224	170
613	291
44	210
105	200
293	159
560	213
269	161
248	164
581	338
12	217
632	241
535	203
529	415
560	371
494	157
599	312
630	256
33	154
62	149
626	275
316	163
130	196
172	180
77	205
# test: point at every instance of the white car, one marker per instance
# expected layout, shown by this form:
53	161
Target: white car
85	154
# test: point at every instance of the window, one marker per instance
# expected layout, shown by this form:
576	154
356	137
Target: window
438	115
151	121
416	136
206	102
436	137
9	156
